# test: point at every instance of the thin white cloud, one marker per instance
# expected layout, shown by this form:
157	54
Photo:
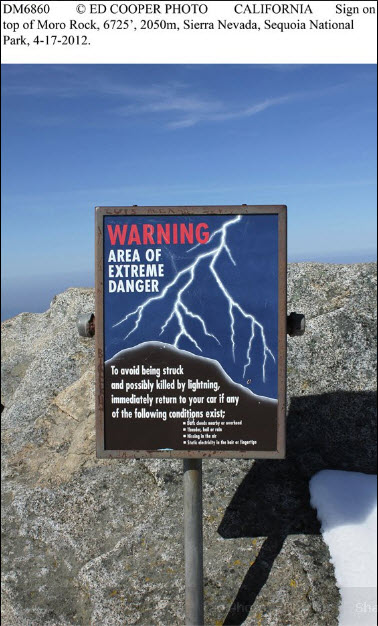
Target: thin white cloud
254	109
167	97
181	106
224	116
168	101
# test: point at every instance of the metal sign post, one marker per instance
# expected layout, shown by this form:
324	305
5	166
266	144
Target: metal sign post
193	540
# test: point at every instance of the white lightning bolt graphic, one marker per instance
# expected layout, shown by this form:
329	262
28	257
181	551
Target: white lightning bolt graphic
180	309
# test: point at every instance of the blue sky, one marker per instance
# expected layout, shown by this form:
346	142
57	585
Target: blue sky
79	136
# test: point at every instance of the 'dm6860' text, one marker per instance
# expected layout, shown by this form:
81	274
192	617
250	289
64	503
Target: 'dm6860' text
25	9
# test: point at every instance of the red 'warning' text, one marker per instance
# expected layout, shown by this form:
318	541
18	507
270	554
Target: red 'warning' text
150	234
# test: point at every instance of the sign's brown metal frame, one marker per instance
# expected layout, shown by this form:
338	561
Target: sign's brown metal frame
279	210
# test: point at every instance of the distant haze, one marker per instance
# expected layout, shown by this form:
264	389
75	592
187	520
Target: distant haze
35	294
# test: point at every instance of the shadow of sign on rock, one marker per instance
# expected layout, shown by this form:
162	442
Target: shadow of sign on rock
329	431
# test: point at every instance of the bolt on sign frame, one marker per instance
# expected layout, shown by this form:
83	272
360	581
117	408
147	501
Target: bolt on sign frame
167	279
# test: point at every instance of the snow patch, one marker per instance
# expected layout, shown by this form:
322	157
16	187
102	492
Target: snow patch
346	504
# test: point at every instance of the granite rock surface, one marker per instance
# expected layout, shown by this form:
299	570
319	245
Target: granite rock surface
100	543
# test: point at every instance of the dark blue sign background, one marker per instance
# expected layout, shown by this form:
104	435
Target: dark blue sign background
251	284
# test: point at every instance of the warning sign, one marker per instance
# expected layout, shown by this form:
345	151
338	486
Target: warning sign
191	331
